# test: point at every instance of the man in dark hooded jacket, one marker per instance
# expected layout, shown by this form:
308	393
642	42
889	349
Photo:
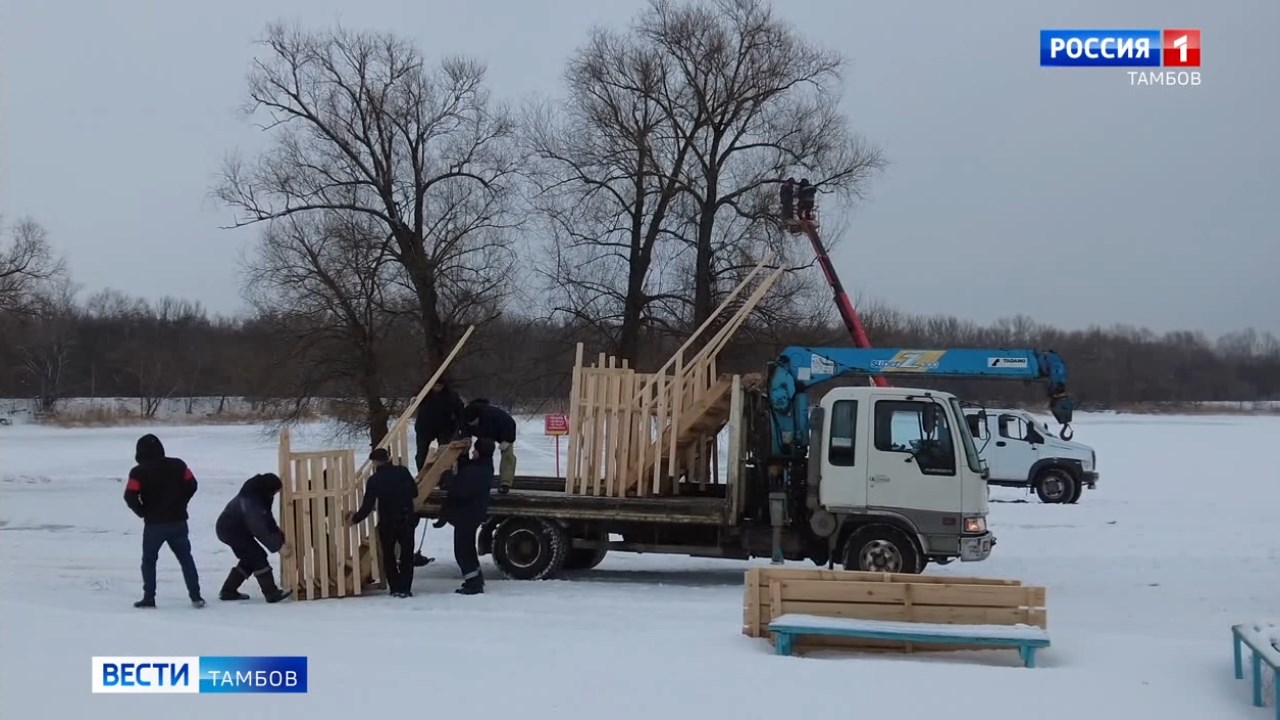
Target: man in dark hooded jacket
392	489
484	421
158	491
245	526
465	507
439	418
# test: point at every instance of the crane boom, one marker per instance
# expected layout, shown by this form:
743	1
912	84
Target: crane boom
852	323
798	368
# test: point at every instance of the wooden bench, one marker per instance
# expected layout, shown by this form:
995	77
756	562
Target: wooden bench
1026	638
1263	639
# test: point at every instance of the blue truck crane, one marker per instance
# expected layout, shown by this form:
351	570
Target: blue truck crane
798	368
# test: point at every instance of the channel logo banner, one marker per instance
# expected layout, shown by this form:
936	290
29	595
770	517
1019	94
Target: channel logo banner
1178	48
202	674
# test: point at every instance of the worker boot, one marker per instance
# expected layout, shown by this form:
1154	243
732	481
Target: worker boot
267	582
231	587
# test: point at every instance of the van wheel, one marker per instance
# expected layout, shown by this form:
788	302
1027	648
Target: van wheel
879	548
1075	496
529	548
1055	485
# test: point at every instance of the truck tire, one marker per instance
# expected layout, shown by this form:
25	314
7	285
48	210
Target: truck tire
1055	486
529	548
1075	496
880	548
584	558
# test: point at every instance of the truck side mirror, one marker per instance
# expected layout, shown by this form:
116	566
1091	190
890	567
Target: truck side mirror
929	419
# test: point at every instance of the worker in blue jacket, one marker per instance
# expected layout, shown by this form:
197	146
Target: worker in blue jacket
248	528
465	506
482	420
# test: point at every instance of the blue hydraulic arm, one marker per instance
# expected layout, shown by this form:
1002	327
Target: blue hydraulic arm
799	368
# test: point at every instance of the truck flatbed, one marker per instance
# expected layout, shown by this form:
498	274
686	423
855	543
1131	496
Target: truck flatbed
546	496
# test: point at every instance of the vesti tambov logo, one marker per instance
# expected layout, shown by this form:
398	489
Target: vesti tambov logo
204	674
1171	48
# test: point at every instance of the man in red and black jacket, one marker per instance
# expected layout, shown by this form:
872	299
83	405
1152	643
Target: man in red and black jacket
158	491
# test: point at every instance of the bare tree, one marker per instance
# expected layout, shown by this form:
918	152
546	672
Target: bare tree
757	102
27	266
608	181
361	125
49	340
323	282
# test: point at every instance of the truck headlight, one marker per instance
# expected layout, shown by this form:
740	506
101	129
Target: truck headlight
975	525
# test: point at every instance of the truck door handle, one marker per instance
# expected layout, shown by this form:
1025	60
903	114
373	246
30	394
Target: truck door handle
880	478
999	443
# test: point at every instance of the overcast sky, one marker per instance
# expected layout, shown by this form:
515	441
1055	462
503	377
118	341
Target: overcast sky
1061	193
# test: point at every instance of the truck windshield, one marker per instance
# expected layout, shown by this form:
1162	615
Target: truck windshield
970	450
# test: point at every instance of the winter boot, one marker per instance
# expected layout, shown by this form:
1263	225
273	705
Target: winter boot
420	560
146	602
197	602
270	591
472	586
231	588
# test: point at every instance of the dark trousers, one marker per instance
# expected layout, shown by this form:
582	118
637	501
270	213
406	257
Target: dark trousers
464	552
176	536
252	556
396	540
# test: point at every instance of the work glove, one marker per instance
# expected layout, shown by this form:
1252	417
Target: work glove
286	551
440	522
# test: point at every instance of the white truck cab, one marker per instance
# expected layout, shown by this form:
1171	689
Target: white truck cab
899	458
1020	451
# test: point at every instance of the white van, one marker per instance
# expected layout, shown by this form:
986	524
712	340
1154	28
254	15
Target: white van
1020	451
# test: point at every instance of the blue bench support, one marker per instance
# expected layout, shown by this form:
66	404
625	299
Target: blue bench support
1025	638
1263	654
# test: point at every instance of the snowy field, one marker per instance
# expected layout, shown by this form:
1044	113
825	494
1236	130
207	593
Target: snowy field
1145	577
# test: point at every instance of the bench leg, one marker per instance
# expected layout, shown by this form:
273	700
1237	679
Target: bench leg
782	643
1028	654
1235	641
1257	680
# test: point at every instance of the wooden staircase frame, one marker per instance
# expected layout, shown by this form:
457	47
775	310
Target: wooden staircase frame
642	434
330	558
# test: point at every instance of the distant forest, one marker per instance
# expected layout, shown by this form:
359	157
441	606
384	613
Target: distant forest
112	345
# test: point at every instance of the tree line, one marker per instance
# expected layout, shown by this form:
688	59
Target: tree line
398	202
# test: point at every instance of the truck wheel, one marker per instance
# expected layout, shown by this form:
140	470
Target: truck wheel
529	548
584	558
1055	485
879	548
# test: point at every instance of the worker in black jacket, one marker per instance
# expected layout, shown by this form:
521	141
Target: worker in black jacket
246	526
392	489
465	507
158	491
484	421
439	418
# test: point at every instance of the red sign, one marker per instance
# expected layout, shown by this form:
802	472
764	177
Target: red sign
556	424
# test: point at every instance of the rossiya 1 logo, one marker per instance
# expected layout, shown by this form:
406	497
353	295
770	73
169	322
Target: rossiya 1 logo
1175	49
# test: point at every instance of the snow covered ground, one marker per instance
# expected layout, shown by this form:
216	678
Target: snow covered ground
1145	578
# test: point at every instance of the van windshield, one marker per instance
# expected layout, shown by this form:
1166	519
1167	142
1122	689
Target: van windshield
970	450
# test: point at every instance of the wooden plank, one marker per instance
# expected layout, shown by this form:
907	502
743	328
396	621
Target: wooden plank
854	575
611	431
918	594
327	546
575	417
305	528
734	484
288	571
339	522
899	612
